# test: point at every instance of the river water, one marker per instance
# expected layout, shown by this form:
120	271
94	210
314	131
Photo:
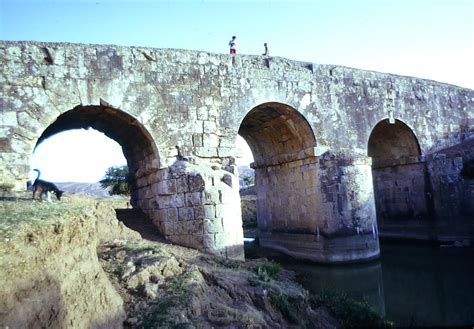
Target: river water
410	285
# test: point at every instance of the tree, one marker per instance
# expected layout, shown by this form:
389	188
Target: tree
249	180
116	178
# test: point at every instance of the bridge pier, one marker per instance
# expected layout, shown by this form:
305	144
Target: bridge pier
195	205
320	209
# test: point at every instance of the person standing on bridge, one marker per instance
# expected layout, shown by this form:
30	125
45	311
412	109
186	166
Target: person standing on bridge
233	45
266	55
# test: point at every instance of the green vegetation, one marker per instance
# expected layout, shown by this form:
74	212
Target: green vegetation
119	270
268	271
117	179
249	180
265	273
165	310
281	302
351	313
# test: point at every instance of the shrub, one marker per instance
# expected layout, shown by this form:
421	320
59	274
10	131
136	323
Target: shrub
268	271
117	178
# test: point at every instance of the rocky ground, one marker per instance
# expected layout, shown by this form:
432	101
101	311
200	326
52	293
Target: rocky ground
168	287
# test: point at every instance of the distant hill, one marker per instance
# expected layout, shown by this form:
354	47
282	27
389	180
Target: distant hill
94	190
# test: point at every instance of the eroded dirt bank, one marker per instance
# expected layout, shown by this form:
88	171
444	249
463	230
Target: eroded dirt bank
51	276
50	273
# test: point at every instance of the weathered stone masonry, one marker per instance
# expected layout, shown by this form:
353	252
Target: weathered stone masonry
314	131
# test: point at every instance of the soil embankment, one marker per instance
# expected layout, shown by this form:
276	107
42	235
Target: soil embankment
52	262
51	276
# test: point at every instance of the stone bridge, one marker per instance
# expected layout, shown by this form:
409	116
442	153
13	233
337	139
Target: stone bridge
340	154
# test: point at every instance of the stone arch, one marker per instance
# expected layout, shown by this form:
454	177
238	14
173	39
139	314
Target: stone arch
137	144
276	133
282	144
392	144
400	178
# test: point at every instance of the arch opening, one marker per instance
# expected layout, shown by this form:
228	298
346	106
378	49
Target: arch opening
137	144
392	144
77	156
399	177
282	142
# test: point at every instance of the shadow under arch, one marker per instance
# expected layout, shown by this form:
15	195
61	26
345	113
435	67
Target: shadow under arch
392	143
276	133
401	182
282	143
137	144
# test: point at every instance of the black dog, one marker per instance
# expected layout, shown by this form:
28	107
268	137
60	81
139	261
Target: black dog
44	187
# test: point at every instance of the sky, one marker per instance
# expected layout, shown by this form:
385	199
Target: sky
431	39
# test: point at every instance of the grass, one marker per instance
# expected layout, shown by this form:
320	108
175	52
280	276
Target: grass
15	212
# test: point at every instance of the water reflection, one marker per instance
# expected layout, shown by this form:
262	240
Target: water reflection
410	285
357	281
429	286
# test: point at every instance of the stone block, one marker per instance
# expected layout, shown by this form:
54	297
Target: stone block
226	152
198	140
193	199
209	126
169	201
152	203
208	241
167	227
199	213
212	226
210	140
202	113
188	228
166	187
182	184
209	211
8	118
172	214
163	202
194	241
185	213
196	183
163	214
212	196
207	152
